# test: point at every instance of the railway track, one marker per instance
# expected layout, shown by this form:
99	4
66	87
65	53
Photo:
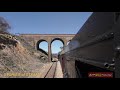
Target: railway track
51	72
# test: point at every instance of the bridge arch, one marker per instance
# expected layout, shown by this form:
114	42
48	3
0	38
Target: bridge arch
60	39
38	48
68	42
60	42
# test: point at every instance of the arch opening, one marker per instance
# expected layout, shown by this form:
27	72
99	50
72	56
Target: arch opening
68	42
56	45
58	40
42	45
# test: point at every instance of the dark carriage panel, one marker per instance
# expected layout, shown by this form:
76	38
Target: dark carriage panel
95	48
97	54
94	43
97	24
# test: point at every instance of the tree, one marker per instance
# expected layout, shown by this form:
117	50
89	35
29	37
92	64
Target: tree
4	26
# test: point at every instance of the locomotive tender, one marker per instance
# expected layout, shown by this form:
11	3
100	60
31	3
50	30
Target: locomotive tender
95	48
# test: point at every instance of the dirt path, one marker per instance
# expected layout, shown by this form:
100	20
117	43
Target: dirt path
58	73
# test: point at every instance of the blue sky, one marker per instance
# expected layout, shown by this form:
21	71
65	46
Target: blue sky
46	23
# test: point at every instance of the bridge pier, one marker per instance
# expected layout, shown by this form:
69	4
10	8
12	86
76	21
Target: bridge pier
49	51
65	43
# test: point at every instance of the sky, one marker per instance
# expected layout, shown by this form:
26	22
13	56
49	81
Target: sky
46	23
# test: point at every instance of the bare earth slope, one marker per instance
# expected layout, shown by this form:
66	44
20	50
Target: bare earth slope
18	59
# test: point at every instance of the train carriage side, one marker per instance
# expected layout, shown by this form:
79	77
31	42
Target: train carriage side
93	47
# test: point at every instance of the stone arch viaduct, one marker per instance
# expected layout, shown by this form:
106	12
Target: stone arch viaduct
35	39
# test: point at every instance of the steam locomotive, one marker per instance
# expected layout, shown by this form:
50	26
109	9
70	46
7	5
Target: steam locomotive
95	49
